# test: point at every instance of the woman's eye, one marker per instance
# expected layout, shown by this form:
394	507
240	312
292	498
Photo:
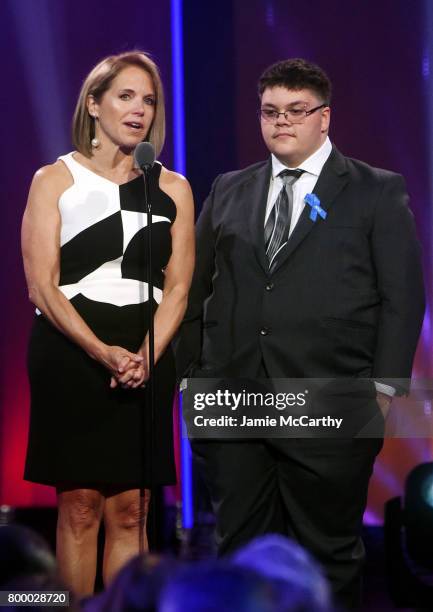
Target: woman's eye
125	96
149	101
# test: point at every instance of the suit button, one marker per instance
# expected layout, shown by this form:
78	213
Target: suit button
269	286
265	331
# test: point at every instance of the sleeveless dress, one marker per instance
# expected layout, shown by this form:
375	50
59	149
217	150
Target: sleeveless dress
81	431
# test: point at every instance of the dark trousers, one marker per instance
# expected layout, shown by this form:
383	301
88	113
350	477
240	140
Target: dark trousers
311	489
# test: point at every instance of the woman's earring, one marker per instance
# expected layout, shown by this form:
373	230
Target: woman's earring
95	142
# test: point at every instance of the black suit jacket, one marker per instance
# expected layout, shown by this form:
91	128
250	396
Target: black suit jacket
346	297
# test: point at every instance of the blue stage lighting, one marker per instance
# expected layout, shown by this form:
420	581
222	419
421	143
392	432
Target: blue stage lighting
427	491
180	166
418	514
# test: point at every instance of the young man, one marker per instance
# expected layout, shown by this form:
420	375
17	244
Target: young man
279	294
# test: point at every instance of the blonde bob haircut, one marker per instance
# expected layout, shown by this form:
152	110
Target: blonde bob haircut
98	81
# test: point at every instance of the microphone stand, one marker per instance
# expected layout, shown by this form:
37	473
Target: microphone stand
150	396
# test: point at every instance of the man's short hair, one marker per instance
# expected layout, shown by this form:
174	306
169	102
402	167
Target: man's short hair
297	74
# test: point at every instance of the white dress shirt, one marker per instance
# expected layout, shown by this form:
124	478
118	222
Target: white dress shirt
312	167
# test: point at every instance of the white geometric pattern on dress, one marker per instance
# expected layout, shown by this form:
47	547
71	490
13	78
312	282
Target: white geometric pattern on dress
107	285
85	204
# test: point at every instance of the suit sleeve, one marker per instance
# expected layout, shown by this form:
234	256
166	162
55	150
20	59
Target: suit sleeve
397	257
188	343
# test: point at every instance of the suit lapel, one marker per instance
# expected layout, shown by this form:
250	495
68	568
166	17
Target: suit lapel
331	181
254	196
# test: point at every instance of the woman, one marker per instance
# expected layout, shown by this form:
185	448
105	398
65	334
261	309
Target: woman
84	237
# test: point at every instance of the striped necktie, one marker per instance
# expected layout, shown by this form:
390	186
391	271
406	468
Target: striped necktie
278	224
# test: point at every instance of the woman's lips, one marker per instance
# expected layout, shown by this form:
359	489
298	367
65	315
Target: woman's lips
134	125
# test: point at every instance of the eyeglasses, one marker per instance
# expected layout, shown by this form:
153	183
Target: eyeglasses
296	114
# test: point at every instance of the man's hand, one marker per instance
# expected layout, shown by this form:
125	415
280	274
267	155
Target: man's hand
384	402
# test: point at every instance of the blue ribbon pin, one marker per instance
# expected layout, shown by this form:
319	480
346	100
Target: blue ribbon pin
312	200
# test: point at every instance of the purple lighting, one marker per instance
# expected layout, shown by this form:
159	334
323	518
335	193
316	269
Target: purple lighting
34	29
387	478
270	14
425	67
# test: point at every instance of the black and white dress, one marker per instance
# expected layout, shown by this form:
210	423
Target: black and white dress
81	431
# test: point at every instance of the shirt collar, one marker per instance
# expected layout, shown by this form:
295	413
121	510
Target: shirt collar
312	165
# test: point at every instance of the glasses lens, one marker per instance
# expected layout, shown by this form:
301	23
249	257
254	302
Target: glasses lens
296	114
268	115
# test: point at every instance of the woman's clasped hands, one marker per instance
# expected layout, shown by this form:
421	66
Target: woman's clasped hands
128	370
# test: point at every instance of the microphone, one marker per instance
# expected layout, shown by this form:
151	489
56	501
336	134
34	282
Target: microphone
144	155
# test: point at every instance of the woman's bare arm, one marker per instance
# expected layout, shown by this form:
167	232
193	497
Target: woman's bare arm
41	254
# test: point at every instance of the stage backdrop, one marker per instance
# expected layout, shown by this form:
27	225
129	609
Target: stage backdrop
378	55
